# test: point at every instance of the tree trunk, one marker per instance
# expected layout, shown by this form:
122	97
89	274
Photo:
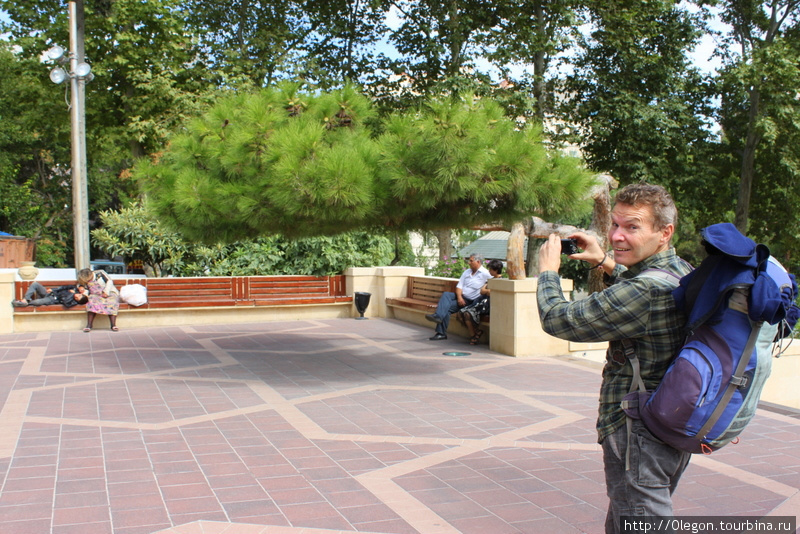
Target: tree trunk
515	260
531	259
539	65
445	238
748	164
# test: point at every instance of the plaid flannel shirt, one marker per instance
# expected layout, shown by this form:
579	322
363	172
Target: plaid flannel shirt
638	308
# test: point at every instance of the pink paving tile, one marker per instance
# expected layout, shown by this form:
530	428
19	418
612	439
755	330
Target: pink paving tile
29	461
150	529
142	475
555	524
77	516
337	485
40	496
126	489
83	473
295	496
154	518
260	456
232	481
487	523
473	483
186	491
36	526
315	516
78	463
266	472
240	494
34	471
191	517
184	466
80	485
577	515
137	502
29	484
24	512
176	479
551	499
238	510
76	500
293	481
84	528
519	512
192	505
496	496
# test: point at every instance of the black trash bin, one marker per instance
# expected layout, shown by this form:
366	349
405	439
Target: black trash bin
361	300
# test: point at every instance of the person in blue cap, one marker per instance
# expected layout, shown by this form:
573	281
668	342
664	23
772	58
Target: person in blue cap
640	309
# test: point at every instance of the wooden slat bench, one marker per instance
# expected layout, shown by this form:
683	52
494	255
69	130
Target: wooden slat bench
195	292
423	294
270	290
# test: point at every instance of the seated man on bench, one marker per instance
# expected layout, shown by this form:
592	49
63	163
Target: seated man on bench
468	289
38	295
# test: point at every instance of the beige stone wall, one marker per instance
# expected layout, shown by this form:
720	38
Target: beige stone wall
75	320
783	384
516	329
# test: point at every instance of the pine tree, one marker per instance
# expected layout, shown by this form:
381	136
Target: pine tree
301	163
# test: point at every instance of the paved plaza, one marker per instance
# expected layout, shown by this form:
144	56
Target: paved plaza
327	426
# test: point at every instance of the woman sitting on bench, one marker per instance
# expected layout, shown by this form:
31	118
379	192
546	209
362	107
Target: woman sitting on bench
103	297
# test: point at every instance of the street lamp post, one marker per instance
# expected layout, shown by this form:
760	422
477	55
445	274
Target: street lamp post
79	74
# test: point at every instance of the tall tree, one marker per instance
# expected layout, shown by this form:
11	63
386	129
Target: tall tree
323	41
532	34
148	78
641	108
34	180
759	85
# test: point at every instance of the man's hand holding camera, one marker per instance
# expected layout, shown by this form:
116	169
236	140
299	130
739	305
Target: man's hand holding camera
592	253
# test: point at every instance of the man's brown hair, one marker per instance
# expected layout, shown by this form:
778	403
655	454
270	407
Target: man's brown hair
664	210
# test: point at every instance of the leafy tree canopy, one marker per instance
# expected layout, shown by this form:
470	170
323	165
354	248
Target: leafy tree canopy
300	163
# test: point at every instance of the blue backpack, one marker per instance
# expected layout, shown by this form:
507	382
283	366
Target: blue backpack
738	303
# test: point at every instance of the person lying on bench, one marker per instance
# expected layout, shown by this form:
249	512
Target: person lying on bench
38	295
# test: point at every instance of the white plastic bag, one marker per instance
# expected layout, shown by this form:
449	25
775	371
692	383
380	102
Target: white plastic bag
133	294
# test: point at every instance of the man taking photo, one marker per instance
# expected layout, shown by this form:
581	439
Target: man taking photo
635	308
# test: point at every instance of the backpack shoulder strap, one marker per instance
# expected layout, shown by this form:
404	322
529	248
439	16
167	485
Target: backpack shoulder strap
629	348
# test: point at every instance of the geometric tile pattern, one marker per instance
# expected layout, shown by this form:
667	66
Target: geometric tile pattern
326	426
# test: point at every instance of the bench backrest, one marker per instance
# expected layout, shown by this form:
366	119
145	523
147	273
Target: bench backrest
429	289
222	289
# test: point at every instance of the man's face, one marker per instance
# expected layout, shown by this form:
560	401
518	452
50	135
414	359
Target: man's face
474	264
633	236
